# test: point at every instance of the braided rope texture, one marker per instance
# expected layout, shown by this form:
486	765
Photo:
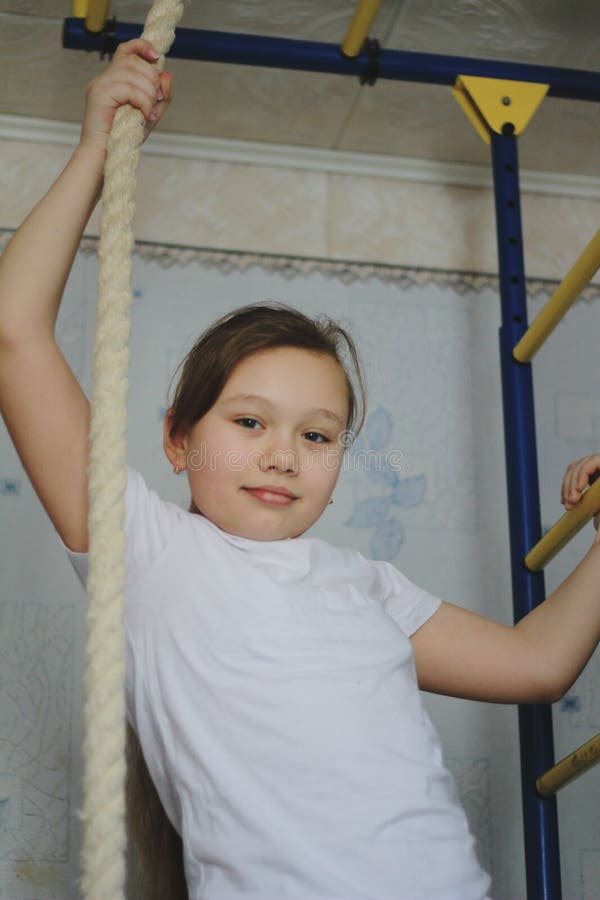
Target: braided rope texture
103	815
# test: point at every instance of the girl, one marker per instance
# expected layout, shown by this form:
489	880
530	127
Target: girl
273	680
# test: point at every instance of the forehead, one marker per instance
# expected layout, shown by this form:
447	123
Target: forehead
291	375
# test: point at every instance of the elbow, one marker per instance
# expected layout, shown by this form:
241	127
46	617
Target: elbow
12	332
13	340
560	689
7	342
547	673
550	687
541	695
552	695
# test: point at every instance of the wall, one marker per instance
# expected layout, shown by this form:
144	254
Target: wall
323	204
435	402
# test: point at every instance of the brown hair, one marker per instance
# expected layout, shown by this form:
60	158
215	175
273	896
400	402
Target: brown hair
252	329
155	857
155	868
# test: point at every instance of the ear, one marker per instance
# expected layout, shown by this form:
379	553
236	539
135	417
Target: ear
175	446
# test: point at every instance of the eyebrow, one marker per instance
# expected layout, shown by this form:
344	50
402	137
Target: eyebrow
252	398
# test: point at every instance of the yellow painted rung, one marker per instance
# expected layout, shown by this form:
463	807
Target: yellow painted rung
495	103
96	13
569	768
566	528
79	9
360	26
563	297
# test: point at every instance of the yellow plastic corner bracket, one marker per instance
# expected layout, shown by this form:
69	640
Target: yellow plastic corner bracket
566	528
359	27
492	104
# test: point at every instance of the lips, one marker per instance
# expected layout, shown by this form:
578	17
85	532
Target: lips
266	493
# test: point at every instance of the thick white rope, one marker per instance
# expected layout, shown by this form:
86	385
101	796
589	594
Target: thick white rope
104	838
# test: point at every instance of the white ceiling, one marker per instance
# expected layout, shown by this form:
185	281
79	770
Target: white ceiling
40	79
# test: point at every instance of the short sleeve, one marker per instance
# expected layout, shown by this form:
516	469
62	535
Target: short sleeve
148	524
408	605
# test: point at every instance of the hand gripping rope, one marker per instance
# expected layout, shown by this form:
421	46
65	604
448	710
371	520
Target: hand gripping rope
103	815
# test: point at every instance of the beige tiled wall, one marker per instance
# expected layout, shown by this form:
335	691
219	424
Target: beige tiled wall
306	213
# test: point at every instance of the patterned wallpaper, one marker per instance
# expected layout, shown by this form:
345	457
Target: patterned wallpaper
429	472
310	213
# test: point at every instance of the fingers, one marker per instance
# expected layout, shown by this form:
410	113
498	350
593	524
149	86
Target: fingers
579	475
163	97
132	78
166	83
137	47
150	90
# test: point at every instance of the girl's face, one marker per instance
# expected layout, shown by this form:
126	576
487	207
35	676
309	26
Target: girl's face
263	462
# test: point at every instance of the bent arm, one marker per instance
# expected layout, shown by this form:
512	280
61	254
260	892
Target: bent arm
462	654
45	409
37	260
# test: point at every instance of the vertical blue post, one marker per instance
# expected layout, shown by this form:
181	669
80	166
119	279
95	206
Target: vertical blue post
535	722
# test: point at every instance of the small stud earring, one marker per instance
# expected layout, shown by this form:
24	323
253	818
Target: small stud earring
330	501
177	469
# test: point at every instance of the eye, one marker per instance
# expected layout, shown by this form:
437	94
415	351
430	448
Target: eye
316	437
248	422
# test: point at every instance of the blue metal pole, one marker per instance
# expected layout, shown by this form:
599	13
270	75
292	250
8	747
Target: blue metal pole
283	53
535	722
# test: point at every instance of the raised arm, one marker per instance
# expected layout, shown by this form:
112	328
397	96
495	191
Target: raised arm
463	654
45	409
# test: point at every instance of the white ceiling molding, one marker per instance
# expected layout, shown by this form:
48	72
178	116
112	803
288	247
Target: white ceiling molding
50	131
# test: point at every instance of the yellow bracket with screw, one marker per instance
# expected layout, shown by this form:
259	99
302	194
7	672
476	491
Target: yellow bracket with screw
496	104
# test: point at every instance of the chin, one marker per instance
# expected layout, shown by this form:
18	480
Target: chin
272	532
254	532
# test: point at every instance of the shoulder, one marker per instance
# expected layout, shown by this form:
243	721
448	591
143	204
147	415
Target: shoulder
151	524
346	564
409	605
345	561
406	602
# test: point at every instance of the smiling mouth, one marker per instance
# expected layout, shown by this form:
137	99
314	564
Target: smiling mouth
271	495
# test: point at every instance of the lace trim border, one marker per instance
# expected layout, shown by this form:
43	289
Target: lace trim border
346	271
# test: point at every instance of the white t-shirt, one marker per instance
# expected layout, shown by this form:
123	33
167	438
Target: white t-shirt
273	689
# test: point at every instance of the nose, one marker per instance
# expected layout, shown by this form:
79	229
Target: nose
282	461
280	456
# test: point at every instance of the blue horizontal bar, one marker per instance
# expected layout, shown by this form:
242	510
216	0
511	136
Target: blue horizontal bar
311	56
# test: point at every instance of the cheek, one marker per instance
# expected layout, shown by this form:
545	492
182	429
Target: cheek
327	466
